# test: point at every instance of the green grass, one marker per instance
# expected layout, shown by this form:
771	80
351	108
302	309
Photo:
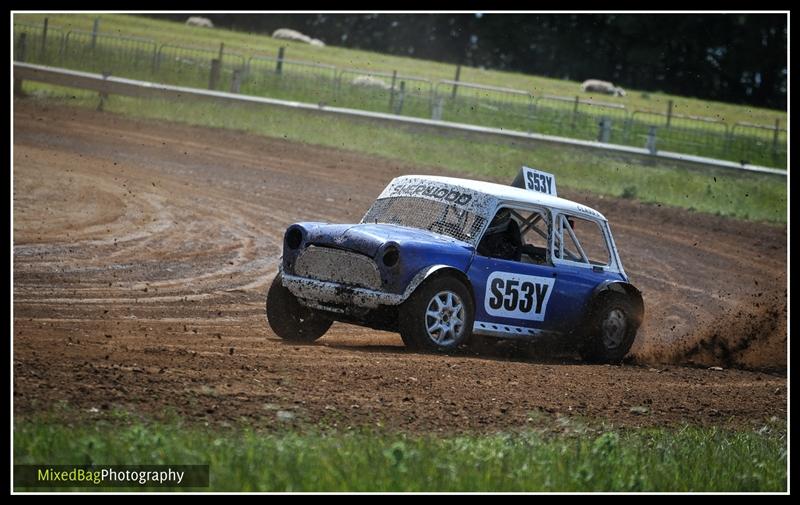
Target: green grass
140	59
263	44
715	191
243	459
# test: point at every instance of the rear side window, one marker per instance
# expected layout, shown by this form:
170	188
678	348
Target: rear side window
580	240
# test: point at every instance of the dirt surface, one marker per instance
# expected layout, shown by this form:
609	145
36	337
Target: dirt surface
143	252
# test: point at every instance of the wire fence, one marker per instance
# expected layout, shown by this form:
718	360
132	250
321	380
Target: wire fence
96	52
192	66
463	102
753	140
38	42
581	118
455	101
289	79
383	92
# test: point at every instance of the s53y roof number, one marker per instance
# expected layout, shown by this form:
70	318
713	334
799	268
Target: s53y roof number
537	180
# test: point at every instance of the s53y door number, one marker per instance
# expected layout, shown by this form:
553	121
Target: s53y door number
517	296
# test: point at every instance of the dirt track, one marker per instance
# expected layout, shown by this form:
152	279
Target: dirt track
143	251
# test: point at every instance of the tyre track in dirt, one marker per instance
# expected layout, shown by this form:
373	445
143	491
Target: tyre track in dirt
143	250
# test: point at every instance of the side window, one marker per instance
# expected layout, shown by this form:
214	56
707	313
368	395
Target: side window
581	240
516	235
534	227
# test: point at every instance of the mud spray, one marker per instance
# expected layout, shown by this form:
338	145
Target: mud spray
751	333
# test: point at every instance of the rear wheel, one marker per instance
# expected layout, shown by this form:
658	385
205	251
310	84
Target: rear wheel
611	329
438	316
289	319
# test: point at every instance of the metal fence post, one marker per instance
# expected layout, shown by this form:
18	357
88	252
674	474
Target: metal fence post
64	46
401	97
438	108
605	130
61	42
22	46
726	147
103	94
458	77
337	83
650	145
42	51
575	110
21	50
95	29
154	63
236	81
279	63
626	128
775	140
391	91
213	78
669	112
531	114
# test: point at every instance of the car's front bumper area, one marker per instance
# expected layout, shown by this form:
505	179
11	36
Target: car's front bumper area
328	294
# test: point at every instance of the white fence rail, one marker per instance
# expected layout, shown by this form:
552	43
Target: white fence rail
109	85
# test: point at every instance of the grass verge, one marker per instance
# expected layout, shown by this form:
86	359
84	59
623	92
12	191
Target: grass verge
243	459
715	191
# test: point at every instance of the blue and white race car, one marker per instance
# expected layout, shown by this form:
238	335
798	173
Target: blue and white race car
447	261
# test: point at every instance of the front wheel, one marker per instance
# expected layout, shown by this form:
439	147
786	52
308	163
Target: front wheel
611	329
289	319
438	316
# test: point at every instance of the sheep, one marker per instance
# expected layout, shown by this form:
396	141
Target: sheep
594	85
198	21
368	81
288	34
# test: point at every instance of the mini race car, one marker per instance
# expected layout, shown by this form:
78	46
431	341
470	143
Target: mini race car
447	261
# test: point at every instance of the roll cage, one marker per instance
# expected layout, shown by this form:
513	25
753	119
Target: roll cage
563	244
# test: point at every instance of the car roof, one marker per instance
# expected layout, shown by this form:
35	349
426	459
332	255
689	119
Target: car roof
510	194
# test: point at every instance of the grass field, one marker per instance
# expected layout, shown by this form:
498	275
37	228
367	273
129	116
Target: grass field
571	458
161	54
263	44
718	191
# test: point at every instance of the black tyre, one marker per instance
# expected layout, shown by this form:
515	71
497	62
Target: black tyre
610	329
409	342
289	319
438	316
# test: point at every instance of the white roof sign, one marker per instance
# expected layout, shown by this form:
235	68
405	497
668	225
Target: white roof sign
536	180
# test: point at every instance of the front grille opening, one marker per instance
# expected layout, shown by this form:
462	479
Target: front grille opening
339	266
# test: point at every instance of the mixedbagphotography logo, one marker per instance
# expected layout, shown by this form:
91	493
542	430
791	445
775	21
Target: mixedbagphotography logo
144	476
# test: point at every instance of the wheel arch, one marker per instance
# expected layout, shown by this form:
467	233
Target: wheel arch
624	288
437	271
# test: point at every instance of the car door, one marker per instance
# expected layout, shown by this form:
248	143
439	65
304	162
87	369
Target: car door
516	298
582	258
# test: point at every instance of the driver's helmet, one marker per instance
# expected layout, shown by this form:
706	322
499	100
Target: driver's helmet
500	223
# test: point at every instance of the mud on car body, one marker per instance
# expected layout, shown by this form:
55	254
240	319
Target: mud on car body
447	262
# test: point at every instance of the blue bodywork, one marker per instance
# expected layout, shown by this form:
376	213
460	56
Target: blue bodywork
572	290
512	299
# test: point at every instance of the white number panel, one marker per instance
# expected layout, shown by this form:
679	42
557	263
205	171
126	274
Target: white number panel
517	296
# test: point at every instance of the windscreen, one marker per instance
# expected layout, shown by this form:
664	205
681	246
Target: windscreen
426	214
